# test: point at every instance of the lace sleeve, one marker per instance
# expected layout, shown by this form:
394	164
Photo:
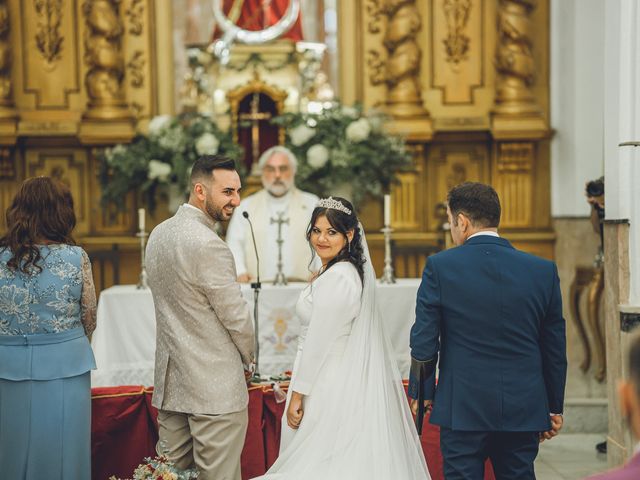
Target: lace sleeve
88	300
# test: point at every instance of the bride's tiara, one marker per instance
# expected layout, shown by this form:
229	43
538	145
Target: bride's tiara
334	204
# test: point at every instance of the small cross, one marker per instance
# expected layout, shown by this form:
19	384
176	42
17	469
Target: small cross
256	116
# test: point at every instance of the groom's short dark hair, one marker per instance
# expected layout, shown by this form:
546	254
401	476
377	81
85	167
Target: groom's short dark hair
478	201
205	165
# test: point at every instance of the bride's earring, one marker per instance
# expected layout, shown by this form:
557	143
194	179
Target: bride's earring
348	246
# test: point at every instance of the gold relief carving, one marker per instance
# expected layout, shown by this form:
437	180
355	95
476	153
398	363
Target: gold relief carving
48	38
514	58
450	165
136	69
103	56
6	101
70	168
457	39
401	69
515	157
457	43
135	13
375	16
514	183
7	167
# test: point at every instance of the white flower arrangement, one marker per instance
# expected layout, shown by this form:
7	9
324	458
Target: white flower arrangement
358	130
159	123
207	144
301	134
317	156
159	162
160	468
159	170
343	145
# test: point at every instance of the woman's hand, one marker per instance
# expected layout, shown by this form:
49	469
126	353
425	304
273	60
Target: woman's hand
295	411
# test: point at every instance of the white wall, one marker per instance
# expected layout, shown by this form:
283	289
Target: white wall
577	102
622	123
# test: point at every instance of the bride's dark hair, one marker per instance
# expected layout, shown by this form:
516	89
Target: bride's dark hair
343	223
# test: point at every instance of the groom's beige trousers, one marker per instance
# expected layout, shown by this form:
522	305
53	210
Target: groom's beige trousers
211	443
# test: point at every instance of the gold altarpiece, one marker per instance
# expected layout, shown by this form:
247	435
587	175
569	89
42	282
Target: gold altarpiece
467	81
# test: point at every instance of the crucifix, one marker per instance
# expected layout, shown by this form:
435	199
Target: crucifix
255	117
280	278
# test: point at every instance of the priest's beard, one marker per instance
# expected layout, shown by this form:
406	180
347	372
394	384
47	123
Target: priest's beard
278	188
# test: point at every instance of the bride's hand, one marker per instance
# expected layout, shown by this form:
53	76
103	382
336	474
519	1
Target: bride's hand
295	411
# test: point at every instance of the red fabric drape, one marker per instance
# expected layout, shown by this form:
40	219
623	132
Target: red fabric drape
252	17
124	430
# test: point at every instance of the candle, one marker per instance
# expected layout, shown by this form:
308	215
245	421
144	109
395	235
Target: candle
387	210
141	219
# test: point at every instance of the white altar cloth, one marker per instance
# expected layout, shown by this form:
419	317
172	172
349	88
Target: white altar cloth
125	338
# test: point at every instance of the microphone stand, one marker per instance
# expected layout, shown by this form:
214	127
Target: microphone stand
256	378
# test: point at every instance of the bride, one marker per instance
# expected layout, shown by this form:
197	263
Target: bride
347	416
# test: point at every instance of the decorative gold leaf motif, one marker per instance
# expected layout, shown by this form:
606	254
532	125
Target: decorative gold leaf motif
457	43
48	38
135	12
375	13
135	67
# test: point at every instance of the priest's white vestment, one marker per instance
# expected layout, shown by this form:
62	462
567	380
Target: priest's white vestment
262	207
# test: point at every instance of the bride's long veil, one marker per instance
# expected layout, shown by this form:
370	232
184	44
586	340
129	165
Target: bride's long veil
367	432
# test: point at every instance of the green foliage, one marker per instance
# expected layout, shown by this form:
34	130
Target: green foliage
163	157
356	151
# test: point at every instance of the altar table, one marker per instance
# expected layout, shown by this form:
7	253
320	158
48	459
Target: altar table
124	430
124	340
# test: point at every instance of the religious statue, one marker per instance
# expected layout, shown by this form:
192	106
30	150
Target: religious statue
280	214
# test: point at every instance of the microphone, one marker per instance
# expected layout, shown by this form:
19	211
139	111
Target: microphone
256	292
245	214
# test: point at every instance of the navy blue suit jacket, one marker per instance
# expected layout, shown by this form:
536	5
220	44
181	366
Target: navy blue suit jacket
493	314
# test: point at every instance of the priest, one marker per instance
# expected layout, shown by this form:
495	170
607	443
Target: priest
278	212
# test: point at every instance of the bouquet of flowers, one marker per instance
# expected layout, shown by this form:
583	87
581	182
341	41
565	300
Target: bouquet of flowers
159	468
342	145
163	157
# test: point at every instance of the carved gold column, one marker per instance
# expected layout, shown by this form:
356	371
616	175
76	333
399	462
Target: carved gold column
104	79
7	111
400	71
516	113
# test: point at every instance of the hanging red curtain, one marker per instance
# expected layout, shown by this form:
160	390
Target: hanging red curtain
259	14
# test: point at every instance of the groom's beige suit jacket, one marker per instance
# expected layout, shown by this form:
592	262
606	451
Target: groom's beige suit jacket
204	328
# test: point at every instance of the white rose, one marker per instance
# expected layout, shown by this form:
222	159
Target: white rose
358	131
317	156
301	134
159	123
207	144
159	170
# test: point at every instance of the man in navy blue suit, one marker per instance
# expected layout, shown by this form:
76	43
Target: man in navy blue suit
493	316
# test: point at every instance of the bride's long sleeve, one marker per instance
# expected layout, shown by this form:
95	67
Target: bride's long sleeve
336	302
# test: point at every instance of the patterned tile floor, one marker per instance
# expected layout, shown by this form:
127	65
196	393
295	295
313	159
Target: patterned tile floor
570	457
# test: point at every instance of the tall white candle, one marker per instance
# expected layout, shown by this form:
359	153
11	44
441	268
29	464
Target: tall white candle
387	210
141	219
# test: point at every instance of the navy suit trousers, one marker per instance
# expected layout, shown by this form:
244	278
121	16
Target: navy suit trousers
511	453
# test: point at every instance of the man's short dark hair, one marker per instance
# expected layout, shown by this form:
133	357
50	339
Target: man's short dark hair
634	363
206	164
478	201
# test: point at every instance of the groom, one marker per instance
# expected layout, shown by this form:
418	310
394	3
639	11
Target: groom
493	314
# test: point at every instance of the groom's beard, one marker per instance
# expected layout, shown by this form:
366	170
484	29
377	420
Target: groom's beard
215	212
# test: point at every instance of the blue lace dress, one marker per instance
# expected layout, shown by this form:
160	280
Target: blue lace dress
45	360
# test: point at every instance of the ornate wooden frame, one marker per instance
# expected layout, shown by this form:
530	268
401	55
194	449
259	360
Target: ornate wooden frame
257	85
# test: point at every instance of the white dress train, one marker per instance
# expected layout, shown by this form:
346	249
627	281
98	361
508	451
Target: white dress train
357	424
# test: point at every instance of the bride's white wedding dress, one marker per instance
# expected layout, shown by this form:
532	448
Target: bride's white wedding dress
356	424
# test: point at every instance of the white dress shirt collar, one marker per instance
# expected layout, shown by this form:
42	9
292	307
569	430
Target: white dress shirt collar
485	232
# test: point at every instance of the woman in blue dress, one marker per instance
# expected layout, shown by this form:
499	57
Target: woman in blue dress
47	313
